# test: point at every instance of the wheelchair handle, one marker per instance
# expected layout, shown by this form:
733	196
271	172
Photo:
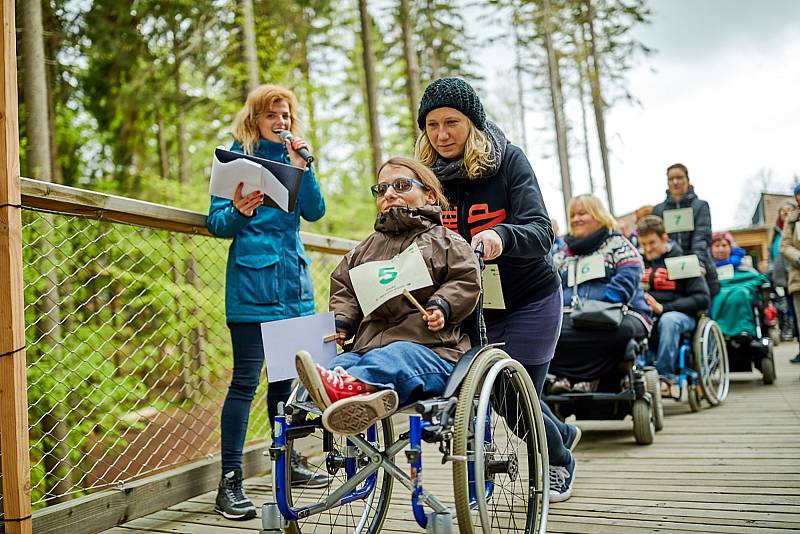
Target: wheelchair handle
479	254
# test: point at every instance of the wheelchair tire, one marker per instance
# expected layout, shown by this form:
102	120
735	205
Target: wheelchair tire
369	513
694	398
654	388
711	361
644	430
768	369
516	479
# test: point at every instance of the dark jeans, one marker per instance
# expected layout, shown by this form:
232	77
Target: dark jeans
248	360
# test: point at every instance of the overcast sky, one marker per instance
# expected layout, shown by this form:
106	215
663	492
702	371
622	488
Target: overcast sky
721	95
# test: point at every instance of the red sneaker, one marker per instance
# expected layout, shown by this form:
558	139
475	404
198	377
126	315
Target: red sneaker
326	386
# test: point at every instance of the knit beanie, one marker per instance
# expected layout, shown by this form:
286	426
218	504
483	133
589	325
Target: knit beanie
723	236
452	93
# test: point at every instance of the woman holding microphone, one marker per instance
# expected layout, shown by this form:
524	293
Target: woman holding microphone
267	279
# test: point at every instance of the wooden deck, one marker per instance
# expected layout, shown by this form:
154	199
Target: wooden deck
732	469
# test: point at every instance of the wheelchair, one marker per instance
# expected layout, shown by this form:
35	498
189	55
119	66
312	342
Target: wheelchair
702	366
632	389
488	424
747	331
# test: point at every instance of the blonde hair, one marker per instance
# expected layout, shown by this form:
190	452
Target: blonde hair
594	207
422	173
477	152
259	101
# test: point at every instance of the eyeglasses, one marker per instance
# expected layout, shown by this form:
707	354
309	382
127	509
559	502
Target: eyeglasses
400	185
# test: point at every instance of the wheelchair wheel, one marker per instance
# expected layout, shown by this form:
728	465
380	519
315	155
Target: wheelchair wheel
499	424
711	361
363	516
768	369
644	430
694	398
654	388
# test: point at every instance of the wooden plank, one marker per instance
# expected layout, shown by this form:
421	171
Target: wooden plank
13	381
106	509
102	206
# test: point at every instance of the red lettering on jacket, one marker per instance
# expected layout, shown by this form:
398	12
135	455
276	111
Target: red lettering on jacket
480	212
661	281
450	218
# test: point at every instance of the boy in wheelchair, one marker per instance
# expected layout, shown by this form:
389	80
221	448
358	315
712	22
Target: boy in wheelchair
381	369
675	303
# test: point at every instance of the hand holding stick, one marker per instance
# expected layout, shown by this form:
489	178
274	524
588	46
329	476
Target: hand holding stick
416	304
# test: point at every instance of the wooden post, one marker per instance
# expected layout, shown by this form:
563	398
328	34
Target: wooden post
13	383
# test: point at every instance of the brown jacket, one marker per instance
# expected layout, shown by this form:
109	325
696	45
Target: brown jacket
790	249
454	271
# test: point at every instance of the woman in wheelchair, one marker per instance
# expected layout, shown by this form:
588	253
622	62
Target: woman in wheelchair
397	355
598	263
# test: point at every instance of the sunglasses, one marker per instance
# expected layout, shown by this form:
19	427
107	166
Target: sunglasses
400	185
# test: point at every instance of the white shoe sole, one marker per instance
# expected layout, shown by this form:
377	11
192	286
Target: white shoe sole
577	439
355	415
561	497
307	371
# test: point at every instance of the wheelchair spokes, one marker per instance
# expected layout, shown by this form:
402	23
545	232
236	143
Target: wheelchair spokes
365	507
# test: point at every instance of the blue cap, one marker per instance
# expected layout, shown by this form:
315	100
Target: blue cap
796	189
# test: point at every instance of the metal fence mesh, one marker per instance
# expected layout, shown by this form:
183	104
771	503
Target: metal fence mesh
128	354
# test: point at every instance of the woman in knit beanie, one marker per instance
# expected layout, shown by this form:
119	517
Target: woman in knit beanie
495	200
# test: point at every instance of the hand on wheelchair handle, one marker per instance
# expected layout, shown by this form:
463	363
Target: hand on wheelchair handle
491	241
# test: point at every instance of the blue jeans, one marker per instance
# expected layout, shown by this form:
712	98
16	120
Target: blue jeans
248	360
412	370
670	327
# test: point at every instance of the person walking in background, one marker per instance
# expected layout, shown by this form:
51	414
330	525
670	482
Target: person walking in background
789	248
267	279
687	220
779	276
495	200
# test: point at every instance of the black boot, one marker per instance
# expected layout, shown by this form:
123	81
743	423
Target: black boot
232	503
796	359
303	476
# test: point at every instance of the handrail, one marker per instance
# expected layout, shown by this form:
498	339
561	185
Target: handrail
103	206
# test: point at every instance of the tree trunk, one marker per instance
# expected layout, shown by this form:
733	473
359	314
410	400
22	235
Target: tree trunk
434	59
368	58
597	102
249	31
183	156
308	88
37	124
580	60
520	85
557	99
163	157
412	68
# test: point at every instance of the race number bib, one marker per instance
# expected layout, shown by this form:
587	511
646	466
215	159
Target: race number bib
683	267
725	272
680	220
585	269
375	282
492	289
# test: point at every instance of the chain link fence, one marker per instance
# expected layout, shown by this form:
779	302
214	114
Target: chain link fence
129	357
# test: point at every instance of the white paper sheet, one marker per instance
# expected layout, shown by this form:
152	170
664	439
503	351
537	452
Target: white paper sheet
282	340
225	178
683	267
375	282
679	220
492	288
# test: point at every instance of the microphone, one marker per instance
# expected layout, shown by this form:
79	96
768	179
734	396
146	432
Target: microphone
304	153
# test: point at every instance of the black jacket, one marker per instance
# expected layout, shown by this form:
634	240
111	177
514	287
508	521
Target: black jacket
687	295
511	204
697	241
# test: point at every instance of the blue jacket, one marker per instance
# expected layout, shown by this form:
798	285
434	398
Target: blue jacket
267	277
737	254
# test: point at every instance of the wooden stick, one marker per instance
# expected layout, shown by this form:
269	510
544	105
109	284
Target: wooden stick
329	338
416	304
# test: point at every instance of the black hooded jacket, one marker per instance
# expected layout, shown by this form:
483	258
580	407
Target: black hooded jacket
687	295
697	241
510	203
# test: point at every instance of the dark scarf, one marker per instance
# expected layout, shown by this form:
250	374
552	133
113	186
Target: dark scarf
581	246
447	170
